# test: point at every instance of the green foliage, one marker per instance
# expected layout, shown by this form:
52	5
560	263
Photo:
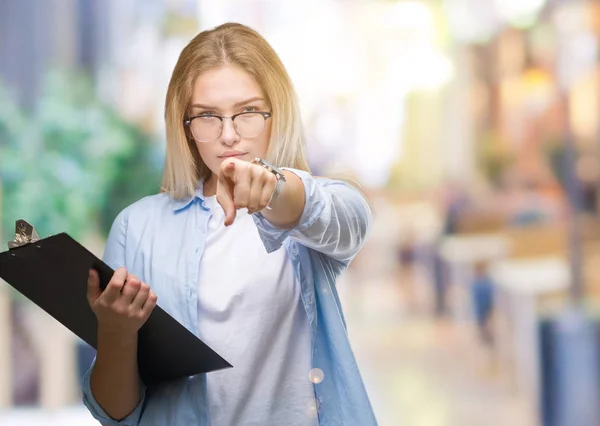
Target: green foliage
72	163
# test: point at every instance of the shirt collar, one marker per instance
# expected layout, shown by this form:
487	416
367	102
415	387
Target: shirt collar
183	203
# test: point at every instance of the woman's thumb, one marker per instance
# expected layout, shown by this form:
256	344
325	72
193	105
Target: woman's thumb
93	286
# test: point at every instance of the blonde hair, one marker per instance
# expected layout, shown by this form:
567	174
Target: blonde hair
239	45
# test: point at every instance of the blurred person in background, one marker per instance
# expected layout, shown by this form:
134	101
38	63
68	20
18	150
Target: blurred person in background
408	258
482	296
454	205
243	247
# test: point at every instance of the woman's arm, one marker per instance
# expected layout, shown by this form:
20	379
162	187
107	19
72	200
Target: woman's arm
115	382
329	216
326	215
121	309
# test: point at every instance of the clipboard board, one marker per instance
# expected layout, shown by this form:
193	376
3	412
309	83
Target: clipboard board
52	272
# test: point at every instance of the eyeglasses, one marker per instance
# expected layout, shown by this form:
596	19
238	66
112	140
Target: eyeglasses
208	127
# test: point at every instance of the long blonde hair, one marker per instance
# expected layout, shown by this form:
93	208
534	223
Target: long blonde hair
239	45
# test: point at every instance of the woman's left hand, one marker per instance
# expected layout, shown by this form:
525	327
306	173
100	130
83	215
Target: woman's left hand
242	184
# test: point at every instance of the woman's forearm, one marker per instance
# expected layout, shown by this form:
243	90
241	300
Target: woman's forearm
335	217
115	380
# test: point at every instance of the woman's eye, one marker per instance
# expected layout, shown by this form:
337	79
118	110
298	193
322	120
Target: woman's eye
250	109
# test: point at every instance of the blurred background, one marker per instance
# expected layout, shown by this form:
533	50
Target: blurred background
473	127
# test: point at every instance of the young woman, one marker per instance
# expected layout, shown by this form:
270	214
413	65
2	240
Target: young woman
243	247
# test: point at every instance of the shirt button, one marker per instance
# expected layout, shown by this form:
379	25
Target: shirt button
295	250
309	300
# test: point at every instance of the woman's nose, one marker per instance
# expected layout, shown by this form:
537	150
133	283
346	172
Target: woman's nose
229	135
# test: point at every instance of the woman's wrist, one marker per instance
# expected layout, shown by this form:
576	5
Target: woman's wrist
286	209
109	337
277	192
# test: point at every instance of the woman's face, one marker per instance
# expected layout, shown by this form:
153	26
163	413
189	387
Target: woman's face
227	91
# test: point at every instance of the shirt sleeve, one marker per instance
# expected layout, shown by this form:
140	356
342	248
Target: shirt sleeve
335	220
114	256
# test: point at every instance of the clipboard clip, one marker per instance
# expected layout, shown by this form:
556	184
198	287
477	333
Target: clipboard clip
25	234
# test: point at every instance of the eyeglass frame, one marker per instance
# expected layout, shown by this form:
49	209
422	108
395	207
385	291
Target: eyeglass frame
188	121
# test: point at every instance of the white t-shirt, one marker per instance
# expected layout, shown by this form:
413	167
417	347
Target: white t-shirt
250	312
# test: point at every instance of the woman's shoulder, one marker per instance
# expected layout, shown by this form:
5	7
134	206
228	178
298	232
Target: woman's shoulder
146	206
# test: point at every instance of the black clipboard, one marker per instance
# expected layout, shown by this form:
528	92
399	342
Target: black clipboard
52	272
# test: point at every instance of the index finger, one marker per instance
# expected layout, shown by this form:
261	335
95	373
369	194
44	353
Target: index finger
114	287
226	201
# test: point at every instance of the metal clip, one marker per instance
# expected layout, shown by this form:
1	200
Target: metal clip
25	234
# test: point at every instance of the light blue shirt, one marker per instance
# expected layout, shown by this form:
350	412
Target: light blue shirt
161	240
